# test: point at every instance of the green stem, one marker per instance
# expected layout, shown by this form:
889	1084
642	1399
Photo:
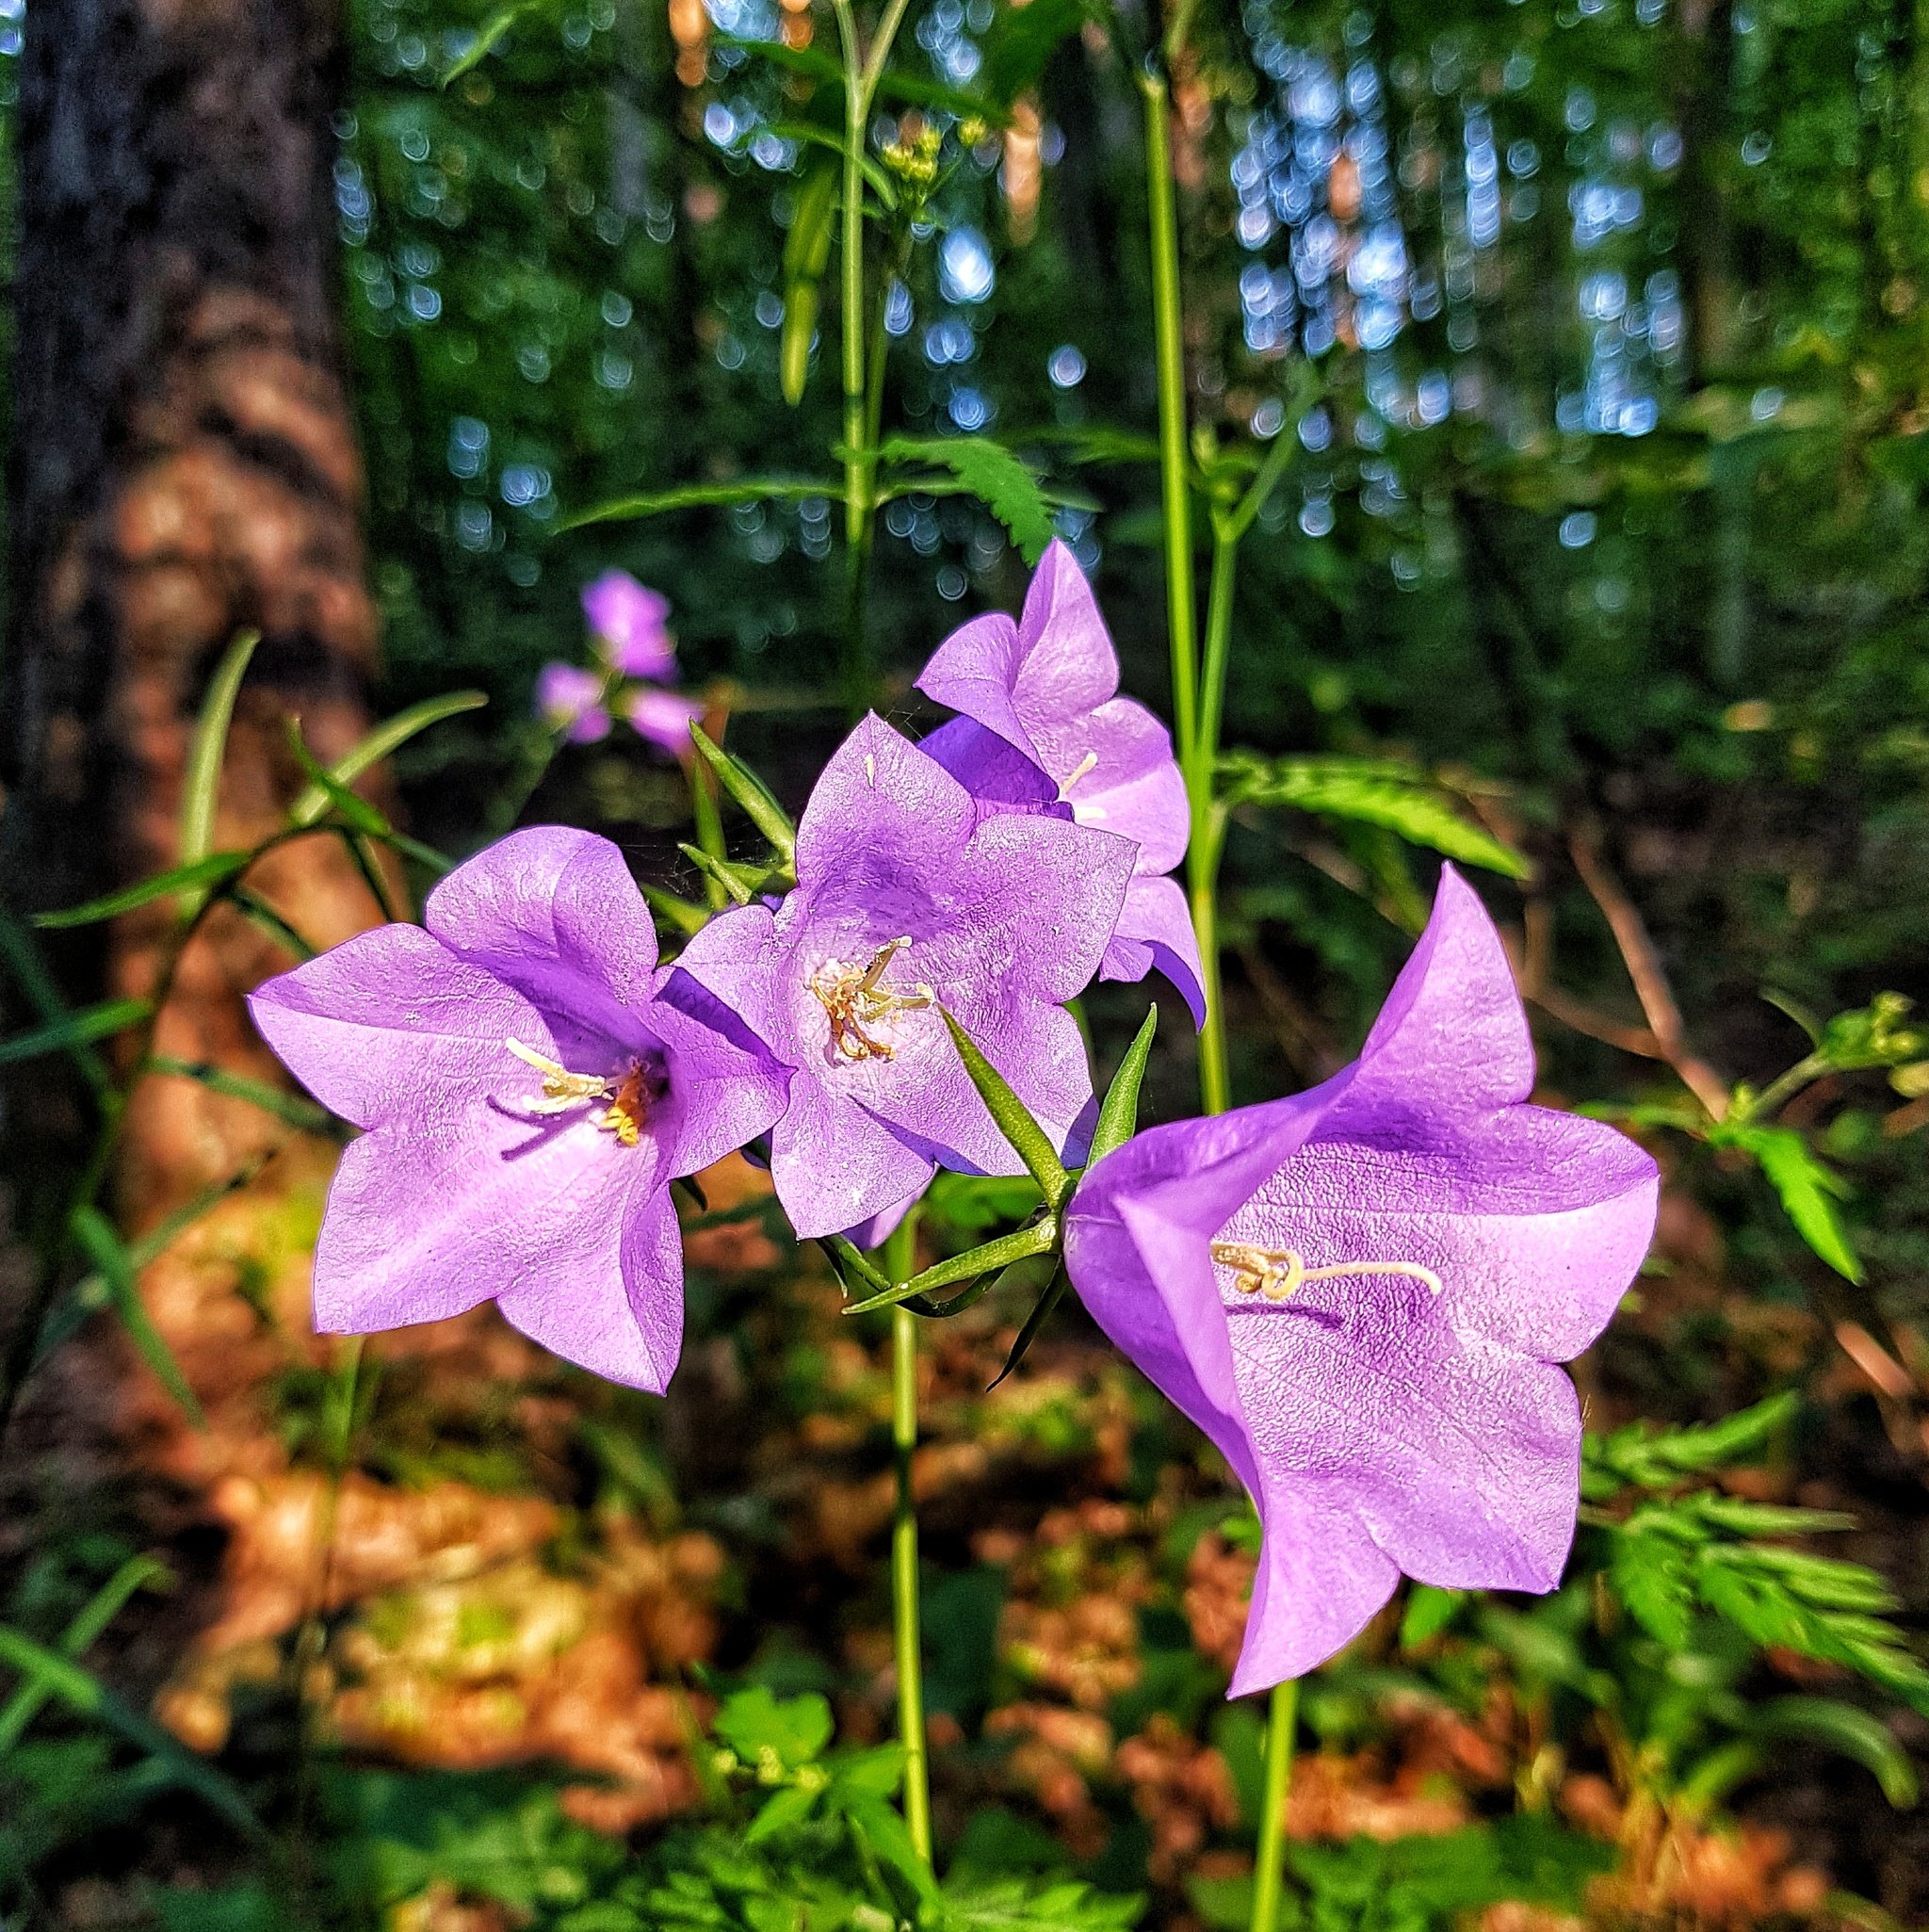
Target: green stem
899	1256
1269	1876
709	822
1174	479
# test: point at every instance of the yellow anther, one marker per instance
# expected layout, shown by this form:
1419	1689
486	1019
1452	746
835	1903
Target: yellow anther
629	1098
1275	1273
856	1000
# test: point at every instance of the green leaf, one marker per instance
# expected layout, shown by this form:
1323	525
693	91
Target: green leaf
258	912
78	1637
1849	1730
210	870
201	787
290	1109
1368	791
1807	1189
742	883
792	1731
386	738
1637	1455
991	473
697	496
487	38
104	1248
30	970
850	1263
1029	1140
1041	1239
80	1690
352	807
806	256
1651	1578
787	1808
1428	1611
77	1029
752	793
1118	1118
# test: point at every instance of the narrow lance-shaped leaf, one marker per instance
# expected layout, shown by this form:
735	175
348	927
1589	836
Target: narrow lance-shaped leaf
385	740
1029	1140
1118	1117
78	1637
698	496
193	877
290	1109
77	1029
685	914
353	810
108	1253
81	1691
1028	1330
806	256
204	782
751	792
740	882
30	970
1849	1730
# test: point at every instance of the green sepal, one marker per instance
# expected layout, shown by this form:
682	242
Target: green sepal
742	883
1040	1239
1027	1333
1118	1117
751	792
1013	1118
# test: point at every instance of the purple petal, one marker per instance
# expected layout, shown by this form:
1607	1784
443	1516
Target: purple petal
734	957
391	1026
881	810
1114	766
835	1163
663	718
877	1229
425	1220
554	911
997	774
1155	934
628	622
730	1087
624	1323
571	699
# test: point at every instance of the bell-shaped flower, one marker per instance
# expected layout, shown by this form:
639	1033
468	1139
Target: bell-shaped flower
1040	696
662	717
529	1081
1360	1294
570	700
631	625
907	901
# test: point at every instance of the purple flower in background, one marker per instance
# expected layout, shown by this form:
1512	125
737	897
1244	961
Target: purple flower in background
528	1081
631	624
570	700
1040	696
662	717
1359	1293
904	902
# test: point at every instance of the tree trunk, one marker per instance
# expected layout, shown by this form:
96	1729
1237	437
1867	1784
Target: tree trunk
184	466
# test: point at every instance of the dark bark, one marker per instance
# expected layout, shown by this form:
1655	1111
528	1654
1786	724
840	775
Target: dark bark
184	466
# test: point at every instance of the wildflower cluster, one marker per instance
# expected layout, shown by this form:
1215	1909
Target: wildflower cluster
1358	1293
635	675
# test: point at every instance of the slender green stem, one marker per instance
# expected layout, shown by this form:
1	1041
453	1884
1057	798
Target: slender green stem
1268	1877
899	1258
1174	479
1784	1087
709	820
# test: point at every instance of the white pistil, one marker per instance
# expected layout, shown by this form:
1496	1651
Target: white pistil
1275	1273
1077	773
856	1000
563	1090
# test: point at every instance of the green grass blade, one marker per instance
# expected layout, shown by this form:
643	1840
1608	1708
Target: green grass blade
384	740
210	870
76	1029
203	788
108	1253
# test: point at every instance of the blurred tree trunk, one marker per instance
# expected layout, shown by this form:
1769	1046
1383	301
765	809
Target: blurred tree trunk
184	466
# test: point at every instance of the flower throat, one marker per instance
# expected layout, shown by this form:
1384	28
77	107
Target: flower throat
628	1094
856	1001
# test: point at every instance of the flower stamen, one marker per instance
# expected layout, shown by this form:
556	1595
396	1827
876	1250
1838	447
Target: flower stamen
1077	773
857	1001
628	1098
1275	1273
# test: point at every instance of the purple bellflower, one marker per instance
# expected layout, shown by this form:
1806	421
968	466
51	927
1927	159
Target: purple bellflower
631	625
906	901
570	700
528	1081
1043	728
1359	1293
662	717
